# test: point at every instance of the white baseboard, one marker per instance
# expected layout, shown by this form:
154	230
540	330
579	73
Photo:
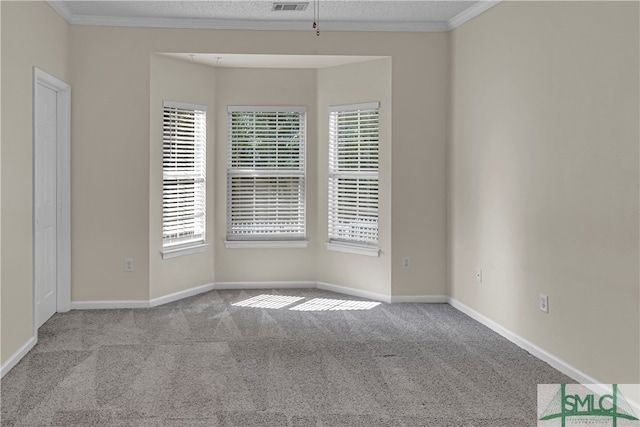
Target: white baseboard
103	305
165	299
428	299
263	285
353	292
18	355
538	352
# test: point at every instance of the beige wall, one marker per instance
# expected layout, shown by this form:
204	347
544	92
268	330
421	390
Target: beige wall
420	109
179	81
279	87
361	82
544	178
32	35
109	164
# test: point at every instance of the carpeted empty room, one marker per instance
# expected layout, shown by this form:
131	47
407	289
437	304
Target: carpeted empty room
319	213
295	357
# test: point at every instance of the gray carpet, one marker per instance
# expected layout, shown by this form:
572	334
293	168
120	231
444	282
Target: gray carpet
203	361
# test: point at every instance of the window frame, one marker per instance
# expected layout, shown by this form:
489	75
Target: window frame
359	176
235	240
182	245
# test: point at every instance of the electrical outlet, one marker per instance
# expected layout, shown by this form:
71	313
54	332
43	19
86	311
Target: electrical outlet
479	275
406	262
544	303
128	264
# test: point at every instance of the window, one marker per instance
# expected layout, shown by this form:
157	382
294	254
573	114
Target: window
266	176
183	178
353	178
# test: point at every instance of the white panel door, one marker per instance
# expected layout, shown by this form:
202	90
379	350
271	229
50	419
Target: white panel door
45	238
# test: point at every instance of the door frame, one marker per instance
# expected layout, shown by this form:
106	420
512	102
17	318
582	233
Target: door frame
63	189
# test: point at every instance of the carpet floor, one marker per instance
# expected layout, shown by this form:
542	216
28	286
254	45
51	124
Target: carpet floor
264	358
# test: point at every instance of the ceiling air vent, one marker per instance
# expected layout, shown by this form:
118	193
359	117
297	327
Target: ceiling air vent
282	6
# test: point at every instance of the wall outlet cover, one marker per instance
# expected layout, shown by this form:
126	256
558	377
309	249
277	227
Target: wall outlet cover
406	262
544	303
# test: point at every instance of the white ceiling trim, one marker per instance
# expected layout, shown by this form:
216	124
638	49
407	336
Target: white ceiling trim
230	24
472	12
271	25
62	10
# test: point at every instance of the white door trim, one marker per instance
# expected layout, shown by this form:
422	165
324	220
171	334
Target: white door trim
63	187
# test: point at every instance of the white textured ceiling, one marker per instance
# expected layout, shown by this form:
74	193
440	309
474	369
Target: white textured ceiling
396	15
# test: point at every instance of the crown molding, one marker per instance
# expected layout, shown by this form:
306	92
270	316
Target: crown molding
233	24
62	10
470	13
258	25
381	26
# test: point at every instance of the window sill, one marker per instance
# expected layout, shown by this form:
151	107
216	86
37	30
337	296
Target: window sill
266	244
184	250
353	249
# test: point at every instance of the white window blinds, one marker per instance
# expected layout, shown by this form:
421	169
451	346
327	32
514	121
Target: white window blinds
353	174
183	174
266	173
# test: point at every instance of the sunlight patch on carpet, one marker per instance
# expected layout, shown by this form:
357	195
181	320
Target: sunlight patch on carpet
268	301
323	304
